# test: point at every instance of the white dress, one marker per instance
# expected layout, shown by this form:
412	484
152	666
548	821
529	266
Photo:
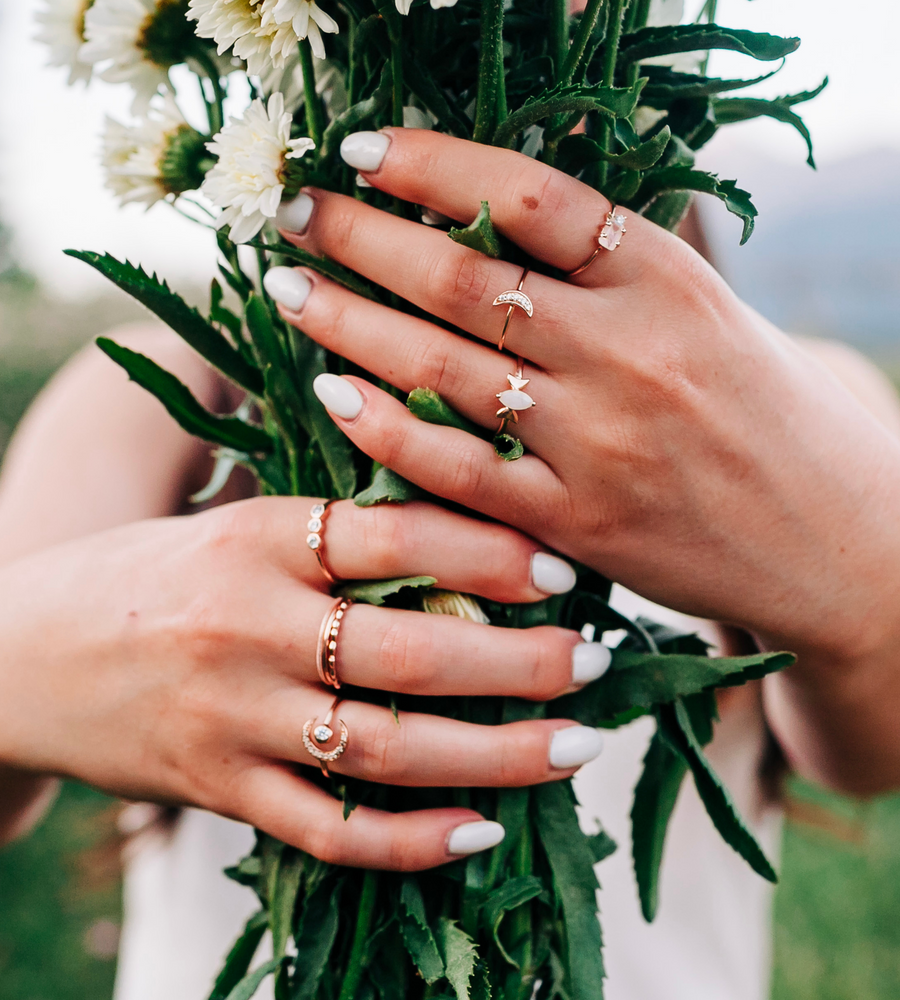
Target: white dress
710	939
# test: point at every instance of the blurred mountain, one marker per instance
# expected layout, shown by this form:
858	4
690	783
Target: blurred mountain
825	256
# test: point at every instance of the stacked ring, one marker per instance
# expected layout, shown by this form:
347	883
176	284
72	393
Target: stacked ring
326	648
314	540
321	735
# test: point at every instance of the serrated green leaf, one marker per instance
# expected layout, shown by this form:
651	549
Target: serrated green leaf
388	487
602	846
575	886
576	151
182	405
480	234
666	85
248	986
284	897
676	729
512	894
269	349
667	40
315	936
739	109
417	936
661	180
321	265
459	954
241	955
614	102
375	591
654	800
176	313
427	405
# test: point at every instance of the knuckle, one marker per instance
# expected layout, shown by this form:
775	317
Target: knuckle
465	474
404	655
384	751
339	225
460	279
434	368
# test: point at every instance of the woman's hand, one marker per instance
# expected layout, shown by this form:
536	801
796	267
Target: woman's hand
174	660
680	444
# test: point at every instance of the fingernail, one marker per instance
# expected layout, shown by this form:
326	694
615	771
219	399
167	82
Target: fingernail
294	216
574	746
338	396
551	574
289	288
472	837
365	150
590	660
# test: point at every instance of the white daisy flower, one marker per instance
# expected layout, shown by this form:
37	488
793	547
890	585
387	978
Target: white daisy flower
264	33
451	602
249	178
148	162
62	29
404	5
116	31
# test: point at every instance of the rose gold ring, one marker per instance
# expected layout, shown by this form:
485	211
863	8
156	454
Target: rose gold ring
326	648
610	237
514	398
316	738
316	529
514	297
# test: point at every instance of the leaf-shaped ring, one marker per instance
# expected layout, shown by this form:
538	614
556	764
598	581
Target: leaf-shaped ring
513	297
321	735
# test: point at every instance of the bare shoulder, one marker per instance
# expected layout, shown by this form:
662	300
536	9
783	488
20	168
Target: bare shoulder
858	374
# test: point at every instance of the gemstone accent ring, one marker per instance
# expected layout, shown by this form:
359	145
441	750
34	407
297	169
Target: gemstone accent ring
314	539
610	237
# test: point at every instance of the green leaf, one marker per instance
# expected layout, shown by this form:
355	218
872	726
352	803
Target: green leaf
321	265
654	799
666	40
512	894
459	954
480	235
575	885
315	936
176	313
218	313
427	405
661	180
375	591
269	348
451	118
182	405
284	898
666	85
676	729
602	846
417	934
248	986
668	210
615	102
357	114
739	109
580	150
241	955
509	448
388	487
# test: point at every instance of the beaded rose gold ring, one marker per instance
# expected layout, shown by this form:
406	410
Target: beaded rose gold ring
326	649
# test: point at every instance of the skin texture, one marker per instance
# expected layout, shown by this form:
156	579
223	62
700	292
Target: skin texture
681	444
172	659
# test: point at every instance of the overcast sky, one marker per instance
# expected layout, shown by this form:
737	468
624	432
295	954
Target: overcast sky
51	187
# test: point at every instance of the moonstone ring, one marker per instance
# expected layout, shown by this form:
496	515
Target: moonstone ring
610	237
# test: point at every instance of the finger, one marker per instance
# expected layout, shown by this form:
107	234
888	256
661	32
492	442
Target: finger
427	751
442	460
552	216
300	813
448	280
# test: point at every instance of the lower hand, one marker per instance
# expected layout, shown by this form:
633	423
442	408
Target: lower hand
173	660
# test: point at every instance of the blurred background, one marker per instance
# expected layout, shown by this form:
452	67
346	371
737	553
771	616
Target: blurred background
824	261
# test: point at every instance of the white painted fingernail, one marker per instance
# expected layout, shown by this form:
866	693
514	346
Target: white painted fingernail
574	746
293	216
551	574
590	660
338	396
365	150
289	288
477	836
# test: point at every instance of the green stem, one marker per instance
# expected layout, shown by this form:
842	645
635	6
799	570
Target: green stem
215	110
315	113
396	79
572	68
608	75
350	986
637	15
521	917
490	70
558	42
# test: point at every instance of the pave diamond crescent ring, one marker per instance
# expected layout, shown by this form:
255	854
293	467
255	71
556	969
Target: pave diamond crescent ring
326	648
316	529
315	737
513	297
610	237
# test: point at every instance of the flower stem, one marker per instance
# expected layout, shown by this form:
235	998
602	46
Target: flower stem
610	55
315	114
490	71
573	68
396	79
215	110
350	985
